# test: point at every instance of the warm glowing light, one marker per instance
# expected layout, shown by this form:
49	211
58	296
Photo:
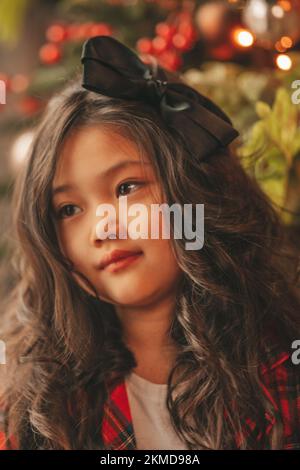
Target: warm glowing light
20	149
285	4
284	62
243	37
279	47
286	42
277	11
259	9
19	83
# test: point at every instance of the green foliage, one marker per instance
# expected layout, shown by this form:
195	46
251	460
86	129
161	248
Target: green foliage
234	88
260	106
273	145
12	13
131	20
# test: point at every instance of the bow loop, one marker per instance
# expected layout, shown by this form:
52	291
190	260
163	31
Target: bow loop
112	69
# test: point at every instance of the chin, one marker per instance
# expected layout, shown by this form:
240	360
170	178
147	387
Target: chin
130	297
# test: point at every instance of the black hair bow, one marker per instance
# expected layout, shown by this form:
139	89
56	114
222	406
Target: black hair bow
114	70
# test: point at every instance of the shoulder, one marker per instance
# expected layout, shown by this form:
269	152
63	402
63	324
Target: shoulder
5	442
2	441
280	378
2	434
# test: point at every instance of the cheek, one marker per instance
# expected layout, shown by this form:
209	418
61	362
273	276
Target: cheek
156	276
149	221
162	260
70	243
72	246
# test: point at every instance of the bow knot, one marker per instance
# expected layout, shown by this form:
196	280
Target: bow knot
156	87
112	69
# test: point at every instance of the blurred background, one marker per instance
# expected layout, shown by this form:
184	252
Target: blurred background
245	55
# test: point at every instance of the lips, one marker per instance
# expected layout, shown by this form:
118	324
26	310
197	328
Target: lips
117	255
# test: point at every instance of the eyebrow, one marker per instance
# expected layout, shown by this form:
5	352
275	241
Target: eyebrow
110	171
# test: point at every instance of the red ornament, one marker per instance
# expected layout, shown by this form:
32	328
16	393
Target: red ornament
170	60
187	29
166	31
159	45
50	53
30	105
144	46
222	52
56	33
82	31
180	42
78	31
72	30
100	29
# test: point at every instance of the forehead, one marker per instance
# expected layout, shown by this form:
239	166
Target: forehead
96	148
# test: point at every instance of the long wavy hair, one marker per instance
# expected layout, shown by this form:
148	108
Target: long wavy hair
65	347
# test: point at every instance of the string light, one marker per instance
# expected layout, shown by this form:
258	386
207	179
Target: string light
20	149
286	42
243	37
285	4
277	11
284	62
279	47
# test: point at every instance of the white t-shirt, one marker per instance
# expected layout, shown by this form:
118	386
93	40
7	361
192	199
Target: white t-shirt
150	416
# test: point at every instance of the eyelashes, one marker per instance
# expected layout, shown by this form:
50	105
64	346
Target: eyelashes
67	210
129	183
62	213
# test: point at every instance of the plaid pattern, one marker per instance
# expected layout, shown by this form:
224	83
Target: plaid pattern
117	429
280	382
282	385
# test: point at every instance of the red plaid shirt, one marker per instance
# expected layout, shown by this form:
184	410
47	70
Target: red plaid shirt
281	384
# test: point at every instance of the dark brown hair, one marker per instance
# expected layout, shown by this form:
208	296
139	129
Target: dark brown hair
65	346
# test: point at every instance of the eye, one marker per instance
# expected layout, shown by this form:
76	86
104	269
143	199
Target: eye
66	211
121	189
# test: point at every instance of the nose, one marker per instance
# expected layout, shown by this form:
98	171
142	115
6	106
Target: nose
110	221
104	224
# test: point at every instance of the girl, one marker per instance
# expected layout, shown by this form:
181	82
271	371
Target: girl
170	348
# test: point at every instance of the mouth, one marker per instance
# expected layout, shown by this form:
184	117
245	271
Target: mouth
120	261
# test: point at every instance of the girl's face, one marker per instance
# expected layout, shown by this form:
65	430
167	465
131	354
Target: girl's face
98	166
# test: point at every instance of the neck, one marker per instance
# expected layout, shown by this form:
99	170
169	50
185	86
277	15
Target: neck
146	332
